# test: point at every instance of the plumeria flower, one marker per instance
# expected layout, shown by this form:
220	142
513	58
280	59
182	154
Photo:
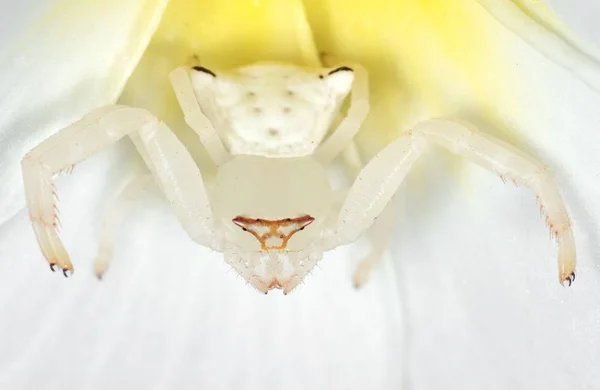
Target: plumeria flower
467	297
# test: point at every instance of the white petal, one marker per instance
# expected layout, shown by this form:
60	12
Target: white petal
581	16
556	47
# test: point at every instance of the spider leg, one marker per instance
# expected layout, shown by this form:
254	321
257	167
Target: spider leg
380	236
373	188
60	153
114	218
379	180
514	165
195	118
99	129
352	160
342	137
180	180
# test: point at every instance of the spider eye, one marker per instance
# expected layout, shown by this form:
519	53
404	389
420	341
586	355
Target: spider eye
340	69
204	70
340	79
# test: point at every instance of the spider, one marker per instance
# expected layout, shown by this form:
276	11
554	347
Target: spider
270	208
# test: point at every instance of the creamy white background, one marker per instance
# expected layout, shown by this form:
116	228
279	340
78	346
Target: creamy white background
470	300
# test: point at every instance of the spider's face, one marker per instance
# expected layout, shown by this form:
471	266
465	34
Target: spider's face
271	213
272	110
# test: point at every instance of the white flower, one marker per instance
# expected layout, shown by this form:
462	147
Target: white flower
470	299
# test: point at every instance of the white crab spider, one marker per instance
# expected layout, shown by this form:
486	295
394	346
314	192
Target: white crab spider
270	209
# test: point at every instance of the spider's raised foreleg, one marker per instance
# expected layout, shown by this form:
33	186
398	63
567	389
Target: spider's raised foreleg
378	182
514	165
94	132
60	153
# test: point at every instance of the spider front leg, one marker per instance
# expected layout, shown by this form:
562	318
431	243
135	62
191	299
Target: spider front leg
511	164
167	158
378	182
60	153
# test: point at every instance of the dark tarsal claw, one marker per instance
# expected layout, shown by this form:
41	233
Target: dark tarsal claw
52	265
571	278
65	272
